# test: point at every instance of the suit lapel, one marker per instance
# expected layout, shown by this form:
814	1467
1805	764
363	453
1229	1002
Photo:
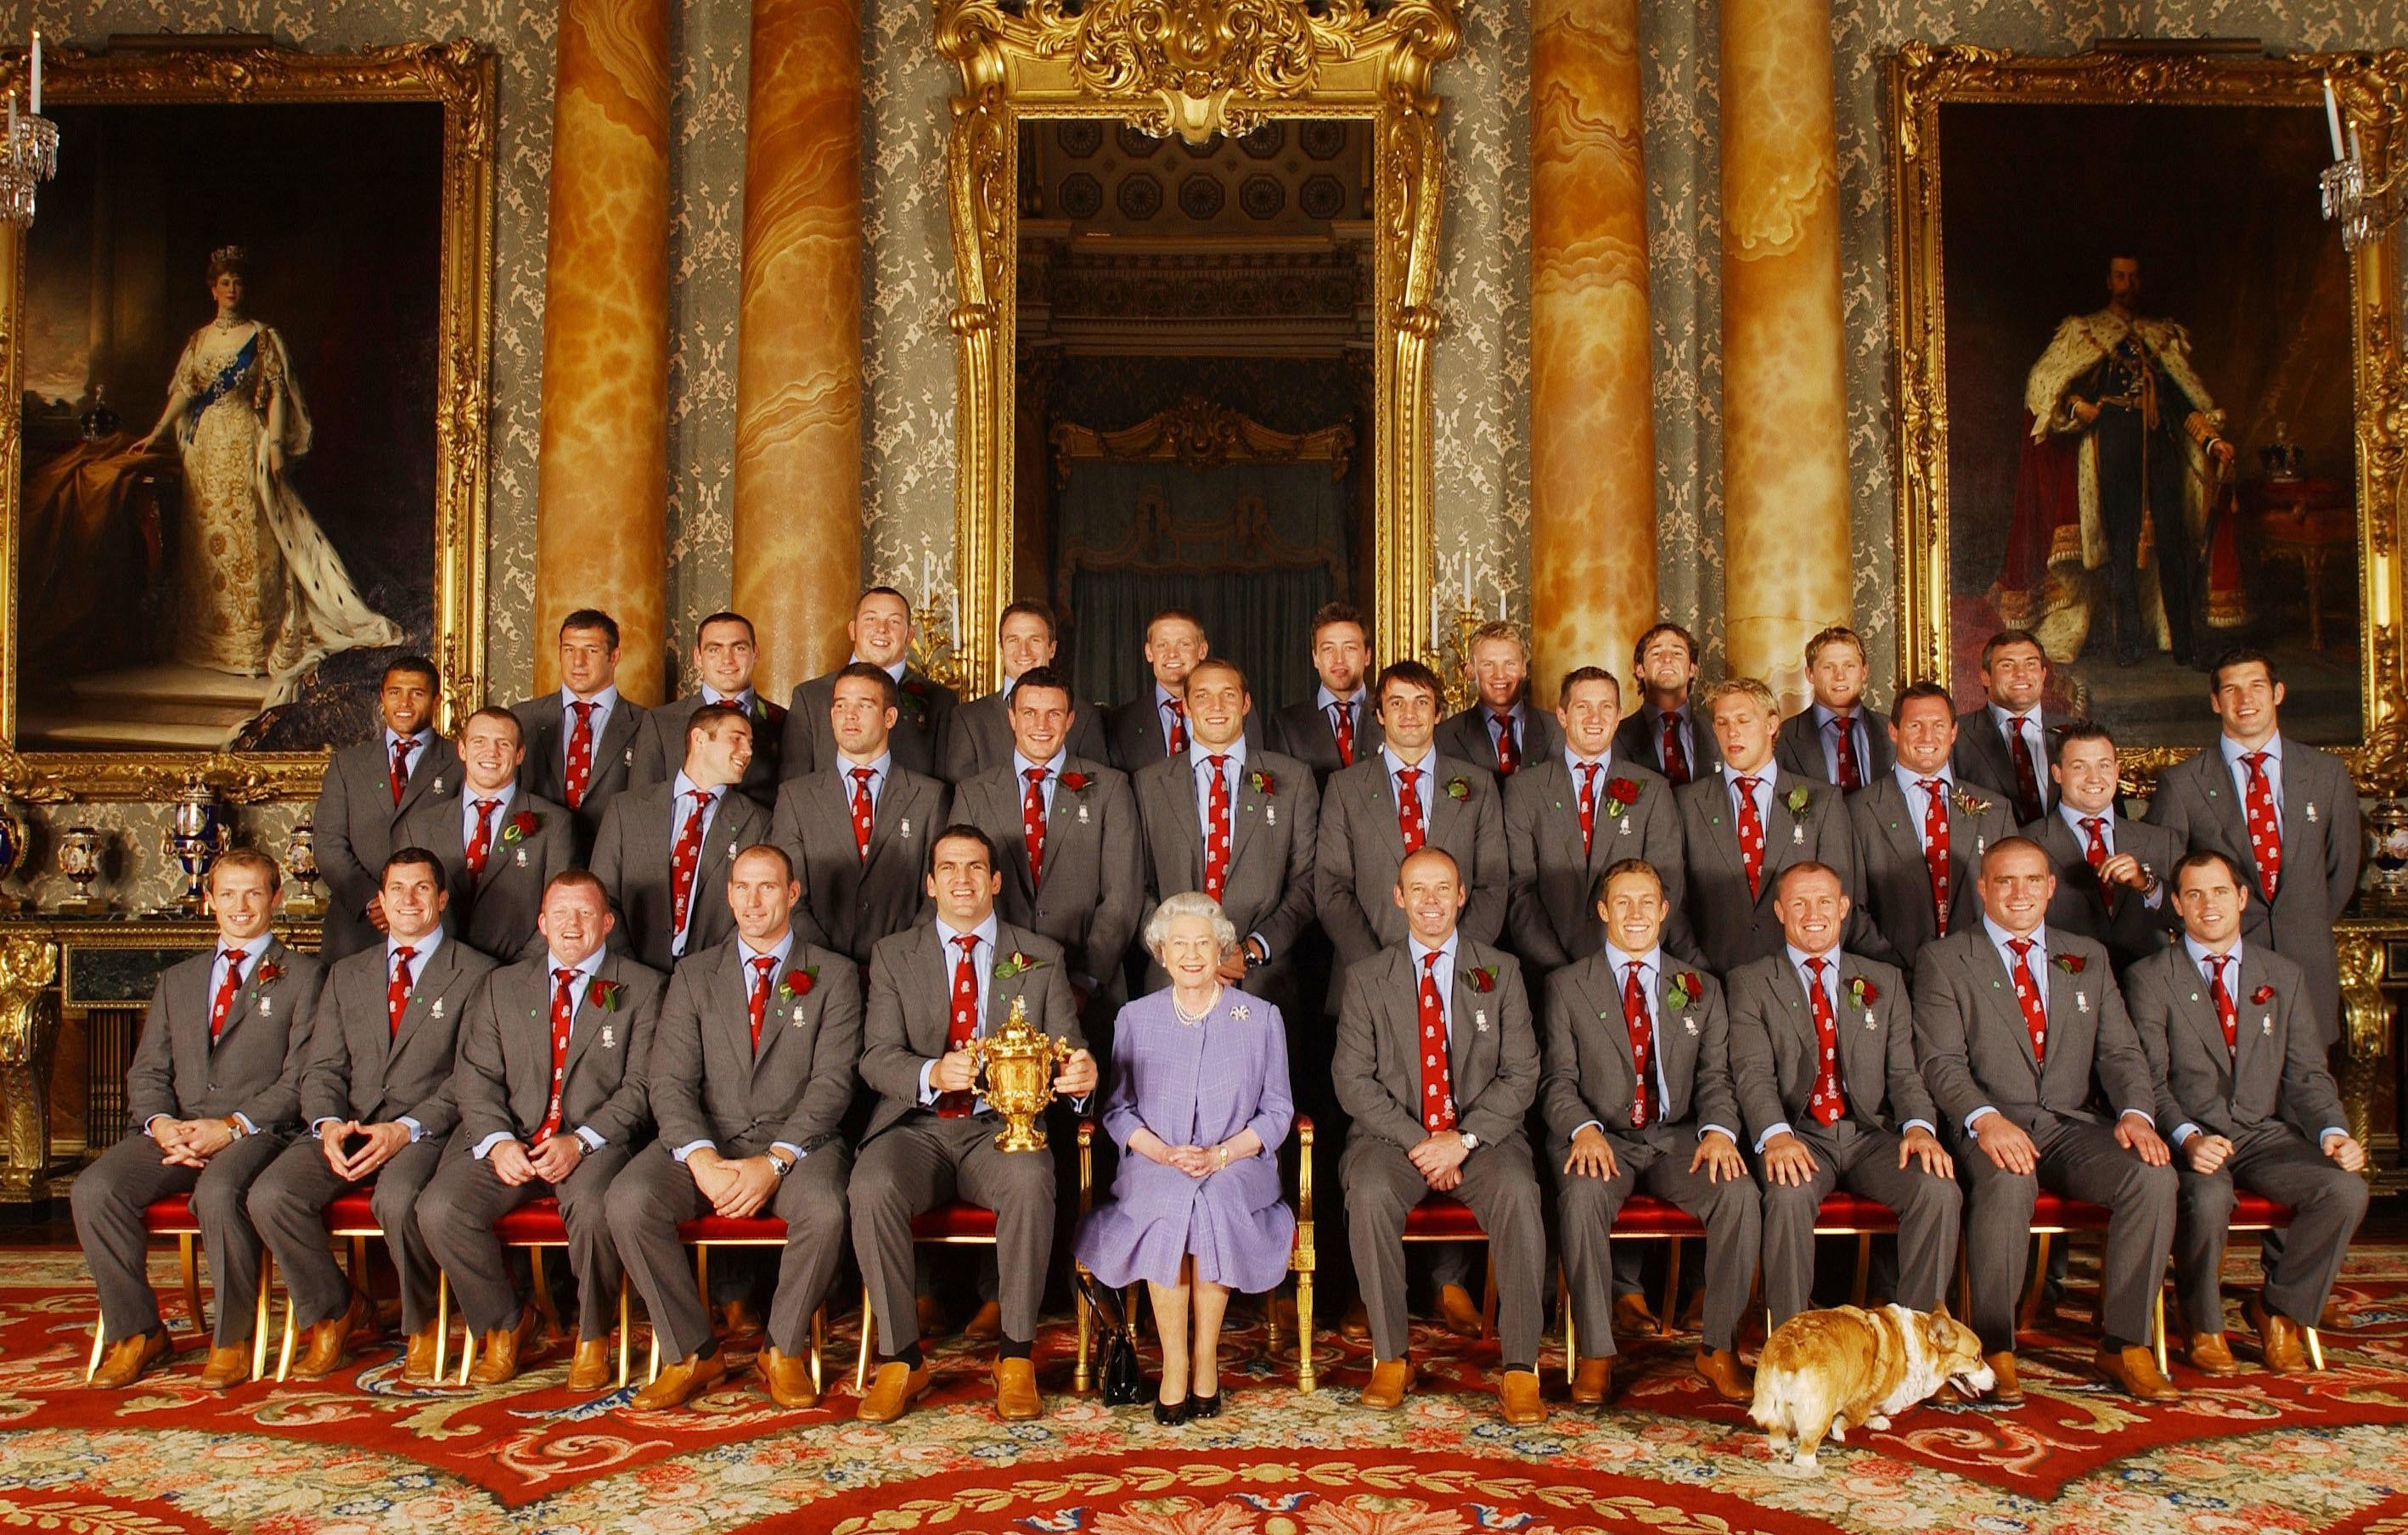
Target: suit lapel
1379	793
426	765
1722	824
1439	808
1991	967
1676	1039
2299	796
499	854
893	808
2253	1038
2069	997
590	1020
1896	817
2196	1000
2215	784
612	748
1469	1037
1248	809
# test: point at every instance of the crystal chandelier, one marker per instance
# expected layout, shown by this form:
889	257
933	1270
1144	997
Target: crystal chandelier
30	156
2366	209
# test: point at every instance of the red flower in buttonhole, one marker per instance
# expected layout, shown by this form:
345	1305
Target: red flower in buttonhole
1862	992
522	826
1076	783
2071	964
606	994
266	973
2262	996
798	982
1483	979
1264	783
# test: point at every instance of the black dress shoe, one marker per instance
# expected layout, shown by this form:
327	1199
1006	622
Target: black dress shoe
1171	1414
1201	1406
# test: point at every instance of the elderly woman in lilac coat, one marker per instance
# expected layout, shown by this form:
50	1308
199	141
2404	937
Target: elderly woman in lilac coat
1198	1106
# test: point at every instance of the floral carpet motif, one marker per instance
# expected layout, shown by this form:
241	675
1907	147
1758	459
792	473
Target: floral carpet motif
360	1452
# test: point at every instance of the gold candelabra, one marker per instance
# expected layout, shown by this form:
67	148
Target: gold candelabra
1449	650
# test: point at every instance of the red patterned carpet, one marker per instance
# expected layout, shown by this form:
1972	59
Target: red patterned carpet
359	1453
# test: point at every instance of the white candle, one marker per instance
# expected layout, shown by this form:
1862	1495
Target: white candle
2332	117
12	120
37	71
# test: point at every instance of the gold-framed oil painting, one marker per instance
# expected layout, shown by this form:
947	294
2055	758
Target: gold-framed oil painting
2150	407
249	333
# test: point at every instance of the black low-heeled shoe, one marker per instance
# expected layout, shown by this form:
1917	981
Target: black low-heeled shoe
1171	1414
1201	1406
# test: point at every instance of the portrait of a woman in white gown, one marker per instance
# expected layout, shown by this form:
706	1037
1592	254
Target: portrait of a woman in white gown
257	590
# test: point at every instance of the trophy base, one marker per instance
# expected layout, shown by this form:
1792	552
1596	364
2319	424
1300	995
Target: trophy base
305	908
82	906
1019	1138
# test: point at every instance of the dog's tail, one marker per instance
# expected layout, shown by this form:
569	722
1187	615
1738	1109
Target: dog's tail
1771	1409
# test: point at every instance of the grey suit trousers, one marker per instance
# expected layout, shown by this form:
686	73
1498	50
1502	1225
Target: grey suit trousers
1863	1162
109	1197
1586	1208
457	1215
2082	1160
1502	1191
922	1162
656	1192
2326	1206
288	1207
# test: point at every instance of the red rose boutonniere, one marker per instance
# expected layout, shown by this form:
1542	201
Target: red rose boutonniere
1078	783
1971	804
1620	795
2262	996
1862	992
915	699
522	826
606	994
1458	790
1686	989
1016	963
1798	798
1264	784
266	973
2070	964
798	982
1483	979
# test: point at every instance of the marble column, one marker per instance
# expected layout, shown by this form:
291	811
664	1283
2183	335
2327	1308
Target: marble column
1785	561
799	340
1592	412
602	488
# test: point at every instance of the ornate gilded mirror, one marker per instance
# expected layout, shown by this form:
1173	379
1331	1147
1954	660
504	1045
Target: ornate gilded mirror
1235	203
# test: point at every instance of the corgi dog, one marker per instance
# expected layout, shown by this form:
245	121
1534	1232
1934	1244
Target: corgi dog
1829	1371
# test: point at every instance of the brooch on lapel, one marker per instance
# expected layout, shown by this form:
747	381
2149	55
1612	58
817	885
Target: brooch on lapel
523	863
609	1040
1691	1025
1239	1012
731	852
630	758
2081	1001
1083	813
438	786
1480	1020
904	830
1270	815
2311	811
797	1019
1979	843
435	1011
2266	1026
266	1006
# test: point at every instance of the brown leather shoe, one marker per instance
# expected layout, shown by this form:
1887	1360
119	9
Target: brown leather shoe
986	1325
2006	1391
2135	1370
1391	1381
740	1316
932	1318
2210	1355
128	1358
1354	1323
227	1368
1720	1369
330	1343
892	1391
1593	1382
417	1357
788	1379
591	1367
681	1382
1454	1307
2282	1343
2334	1317
1518	1398
1015	1390
1631	1316
498	1363
1693	1315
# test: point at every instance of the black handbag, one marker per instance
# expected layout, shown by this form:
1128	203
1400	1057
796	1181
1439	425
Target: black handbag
1121	1378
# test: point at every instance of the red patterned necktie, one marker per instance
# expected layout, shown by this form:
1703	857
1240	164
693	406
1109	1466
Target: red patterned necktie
1032	822
2094	828
1751	835
564	1015
2028	800
1341	724
579	764
2265	826
1217	827
1676	755
759	1001
685	858
1438	1080
1935	847
964	1022
1843	754
1177	725
480	846
1509	752
396	993
2225	1013
1643	1044
1588	808
2027	995
402	747
1825	1103
862	810
224	1002
1409	809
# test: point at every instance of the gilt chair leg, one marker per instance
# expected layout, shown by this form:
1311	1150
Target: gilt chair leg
1083	1378
442	1323
188	1262
284	1349
2158	1325
868	1331
1667	1318
259	1314
819	1345
626	1329
2315	1349
92	1365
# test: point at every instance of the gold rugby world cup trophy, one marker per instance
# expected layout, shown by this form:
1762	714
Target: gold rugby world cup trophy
1018	1064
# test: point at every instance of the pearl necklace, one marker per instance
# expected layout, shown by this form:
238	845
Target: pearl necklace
1192	1019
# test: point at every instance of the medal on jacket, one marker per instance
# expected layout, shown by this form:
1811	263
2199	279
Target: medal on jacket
797	1019
1798	833
2081	1001
2311	811
435	1011
1270	815
523	863
438	786
904	830
609	1041
1083	813
1480	1020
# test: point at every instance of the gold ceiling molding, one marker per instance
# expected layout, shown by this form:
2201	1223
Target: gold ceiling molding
1196	67
1197	434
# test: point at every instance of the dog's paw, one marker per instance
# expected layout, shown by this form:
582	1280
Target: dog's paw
1877	1421
1806	1464
1839	1432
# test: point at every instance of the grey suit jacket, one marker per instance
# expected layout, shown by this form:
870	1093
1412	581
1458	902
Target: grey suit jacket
2321	844
920	725
2132	931
545	771
1272	834
495	911
1731	926
1466	733
354	823
1640	739
1492	1059
977	735
1134	732
707	1082
503	1082
1798	746
1893	892
850	902
1975	1050
1551	913
1302	731
1361	848
910	1014
660	746
1094	869
361	1068
1592	1075
1982	757
2276	1072
1775	1053
254	1068
631	858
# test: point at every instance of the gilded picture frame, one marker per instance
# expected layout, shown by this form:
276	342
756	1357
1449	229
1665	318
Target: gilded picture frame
451	350
1194	67
1937	630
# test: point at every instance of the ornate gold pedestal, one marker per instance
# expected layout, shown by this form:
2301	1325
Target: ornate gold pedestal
29	1032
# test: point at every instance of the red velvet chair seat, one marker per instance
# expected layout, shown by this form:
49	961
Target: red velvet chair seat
533	1223
956	1222
171	1216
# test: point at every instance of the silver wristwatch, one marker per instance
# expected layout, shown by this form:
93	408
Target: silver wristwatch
1471	1141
